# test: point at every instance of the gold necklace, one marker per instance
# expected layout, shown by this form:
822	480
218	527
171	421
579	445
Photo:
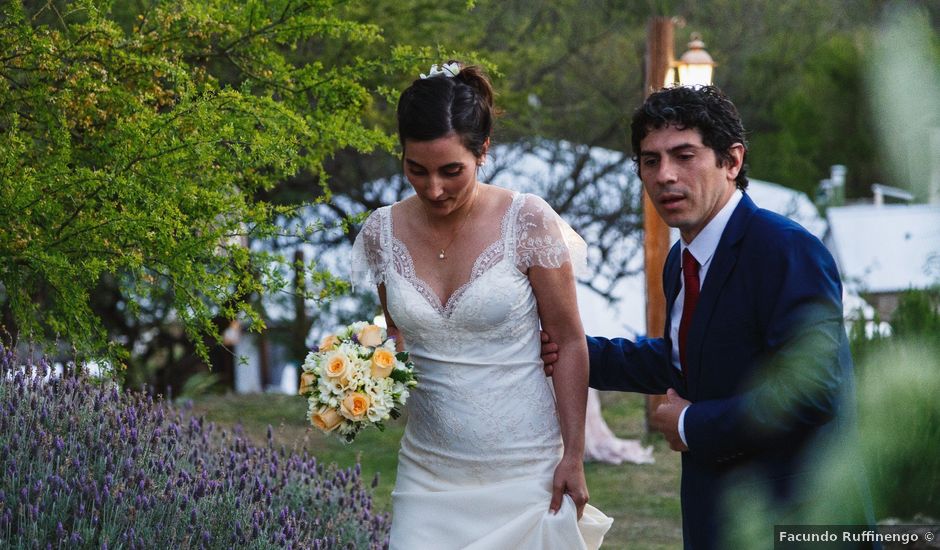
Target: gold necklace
441	255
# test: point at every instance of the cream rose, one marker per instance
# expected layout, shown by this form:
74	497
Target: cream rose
307	381
337	366
383	361
328	342
326	419
370	335
355	406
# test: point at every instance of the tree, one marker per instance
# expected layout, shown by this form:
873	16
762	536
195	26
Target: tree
824	120
569	74
559	86
138	147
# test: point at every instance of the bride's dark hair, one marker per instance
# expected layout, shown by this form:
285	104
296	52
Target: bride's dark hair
435	106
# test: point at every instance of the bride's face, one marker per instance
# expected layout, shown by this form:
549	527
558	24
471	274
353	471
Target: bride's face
443	173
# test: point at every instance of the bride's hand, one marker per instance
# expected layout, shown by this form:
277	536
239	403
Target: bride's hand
569	478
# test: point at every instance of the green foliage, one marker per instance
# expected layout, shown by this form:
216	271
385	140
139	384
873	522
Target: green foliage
198	384
559	67
918	314
899	377
900	423
139	145
916	319
863	339
904	84
574	69
811	133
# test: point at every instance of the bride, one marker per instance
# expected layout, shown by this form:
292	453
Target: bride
491	457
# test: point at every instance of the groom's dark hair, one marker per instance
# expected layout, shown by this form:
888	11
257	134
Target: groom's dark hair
704	108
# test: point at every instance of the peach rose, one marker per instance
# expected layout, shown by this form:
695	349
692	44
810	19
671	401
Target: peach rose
337	366
355	406
307	381
370	335
383	361
326	419
328	342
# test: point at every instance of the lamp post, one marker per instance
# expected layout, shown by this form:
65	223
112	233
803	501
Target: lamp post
693	68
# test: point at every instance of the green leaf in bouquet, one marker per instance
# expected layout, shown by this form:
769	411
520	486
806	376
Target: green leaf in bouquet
402	356
400	375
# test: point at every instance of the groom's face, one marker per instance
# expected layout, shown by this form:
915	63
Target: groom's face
684	179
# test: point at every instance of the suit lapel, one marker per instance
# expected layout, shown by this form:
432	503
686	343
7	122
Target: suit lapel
671	282
723	262
671	272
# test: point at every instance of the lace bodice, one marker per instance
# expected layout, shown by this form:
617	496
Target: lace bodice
532	234
477	353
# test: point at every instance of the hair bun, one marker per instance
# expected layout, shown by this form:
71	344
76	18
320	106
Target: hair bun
442	102
476	78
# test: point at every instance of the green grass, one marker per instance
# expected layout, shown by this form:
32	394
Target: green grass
642	499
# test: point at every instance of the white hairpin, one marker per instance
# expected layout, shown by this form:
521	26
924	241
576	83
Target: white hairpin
450	70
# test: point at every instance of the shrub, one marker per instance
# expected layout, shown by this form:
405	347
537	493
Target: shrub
900	425
84	465
899	378
918	314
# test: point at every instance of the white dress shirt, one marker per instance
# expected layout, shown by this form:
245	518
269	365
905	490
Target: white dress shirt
702	248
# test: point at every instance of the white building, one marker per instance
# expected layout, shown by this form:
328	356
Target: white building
883	250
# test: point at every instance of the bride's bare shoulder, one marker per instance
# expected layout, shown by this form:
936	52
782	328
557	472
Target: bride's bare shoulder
405	203
402	210
496	191
498	198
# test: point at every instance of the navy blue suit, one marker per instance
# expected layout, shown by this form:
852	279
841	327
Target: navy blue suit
769	376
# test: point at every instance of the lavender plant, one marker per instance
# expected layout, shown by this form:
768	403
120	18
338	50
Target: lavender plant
85	465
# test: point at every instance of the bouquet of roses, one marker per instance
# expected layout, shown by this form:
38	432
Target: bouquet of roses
354	379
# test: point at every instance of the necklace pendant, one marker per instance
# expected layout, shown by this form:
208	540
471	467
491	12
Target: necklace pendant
441	256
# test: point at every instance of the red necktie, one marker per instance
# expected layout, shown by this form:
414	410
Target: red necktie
691	283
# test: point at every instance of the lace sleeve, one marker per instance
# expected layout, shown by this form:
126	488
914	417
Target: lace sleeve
369	253
543	239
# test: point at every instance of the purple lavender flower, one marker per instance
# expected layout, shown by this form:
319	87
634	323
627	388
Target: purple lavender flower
126	468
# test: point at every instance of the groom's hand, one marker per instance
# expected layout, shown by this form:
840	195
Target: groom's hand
549	353
665	419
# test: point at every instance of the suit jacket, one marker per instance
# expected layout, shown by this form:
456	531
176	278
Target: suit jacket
769	376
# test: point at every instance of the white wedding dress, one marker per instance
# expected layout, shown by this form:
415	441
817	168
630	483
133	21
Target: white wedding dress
482	439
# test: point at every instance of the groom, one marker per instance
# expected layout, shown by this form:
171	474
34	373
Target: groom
755	364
